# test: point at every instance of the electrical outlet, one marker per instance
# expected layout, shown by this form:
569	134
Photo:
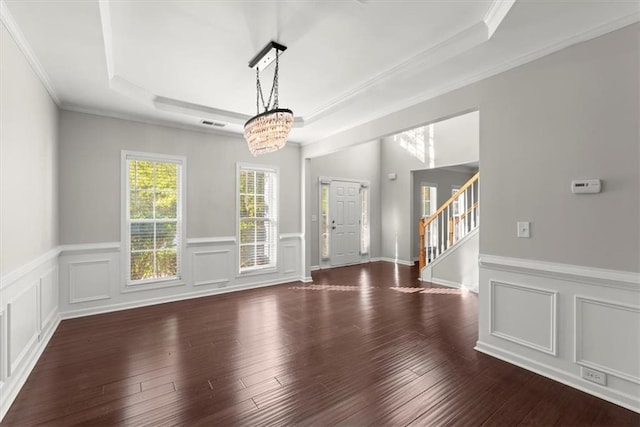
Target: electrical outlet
594	376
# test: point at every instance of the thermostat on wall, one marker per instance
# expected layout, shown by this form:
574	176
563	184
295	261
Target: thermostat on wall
582	186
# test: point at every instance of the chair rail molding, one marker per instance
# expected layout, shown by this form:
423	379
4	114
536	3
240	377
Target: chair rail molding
584	275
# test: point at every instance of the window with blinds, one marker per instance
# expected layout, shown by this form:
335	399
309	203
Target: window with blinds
153	217
257	217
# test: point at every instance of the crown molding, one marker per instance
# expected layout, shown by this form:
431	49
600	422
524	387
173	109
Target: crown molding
419	98
181	107
107	35
147	120
441	52
496	14
14	30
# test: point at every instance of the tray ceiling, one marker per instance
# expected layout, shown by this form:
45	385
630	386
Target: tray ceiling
347	62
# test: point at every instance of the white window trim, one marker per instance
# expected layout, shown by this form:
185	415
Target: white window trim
254	271
126	284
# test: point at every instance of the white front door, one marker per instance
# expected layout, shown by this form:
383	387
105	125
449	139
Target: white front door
344	224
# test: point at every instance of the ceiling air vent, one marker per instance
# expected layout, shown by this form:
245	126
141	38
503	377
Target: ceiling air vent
210	123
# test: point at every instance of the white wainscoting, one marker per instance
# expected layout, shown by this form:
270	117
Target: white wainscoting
212	267
84	279
28	317
597	322
90	274
89	280
554	319
524	315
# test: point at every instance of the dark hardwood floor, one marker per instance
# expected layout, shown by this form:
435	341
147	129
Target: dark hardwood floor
360	346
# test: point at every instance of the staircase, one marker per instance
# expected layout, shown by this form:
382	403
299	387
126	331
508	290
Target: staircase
454	223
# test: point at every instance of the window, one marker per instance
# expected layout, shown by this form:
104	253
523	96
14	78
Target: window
419	142
257	217
153	217
429	194
364	220
413	141
459	203
324	219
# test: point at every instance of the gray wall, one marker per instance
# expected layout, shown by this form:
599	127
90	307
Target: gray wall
90	148
456	140
443	178
399	197
359	163
572	114
397	201
28	157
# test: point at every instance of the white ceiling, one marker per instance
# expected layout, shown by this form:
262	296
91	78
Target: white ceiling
348	62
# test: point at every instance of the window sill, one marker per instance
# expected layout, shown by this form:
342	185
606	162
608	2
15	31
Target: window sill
147	286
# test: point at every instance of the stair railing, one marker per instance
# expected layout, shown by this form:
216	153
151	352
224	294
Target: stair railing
456	218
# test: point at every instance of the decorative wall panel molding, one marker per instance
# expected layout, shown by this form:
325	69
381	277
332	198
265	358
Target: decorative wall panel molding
49	294
288	236
602	326
290	258
203	241
28	317
524	315
596	323
22	326
90	247
211	267
3	348
89	280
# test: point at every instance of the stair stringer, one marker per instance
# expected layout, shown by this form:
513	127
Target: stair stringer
468	277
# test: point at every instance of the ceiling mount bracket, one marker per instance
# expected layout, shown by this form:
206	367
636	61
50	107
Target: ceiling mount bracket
267	55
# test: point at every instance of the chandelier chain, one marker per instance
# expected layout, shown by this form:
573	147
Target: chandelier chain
274	89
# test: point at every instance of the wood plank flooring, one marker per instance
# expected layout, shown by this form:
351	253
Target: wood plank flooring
362	345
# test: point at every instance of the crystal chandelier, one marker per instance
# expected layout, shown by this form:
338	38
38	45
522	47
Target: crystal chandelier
268	131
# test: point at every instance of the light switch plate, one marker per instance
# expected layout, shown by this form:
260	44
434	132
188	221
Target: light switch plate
523	230
314	218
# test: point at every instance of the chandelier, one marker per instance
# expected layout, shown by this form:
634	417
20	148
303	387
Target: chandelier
268	131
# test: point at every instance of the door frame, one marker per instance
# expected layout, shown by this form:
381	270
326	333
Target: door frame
325	263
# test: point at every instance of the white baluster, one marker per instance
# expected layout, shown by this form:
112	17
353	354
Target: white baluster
473	214
442	236
467	211
431	229
448	231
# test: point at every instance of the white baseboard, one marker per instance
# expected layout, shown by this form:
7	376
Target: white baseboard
12	388
451	284
393	261
71	314
625	400
314	268
447	283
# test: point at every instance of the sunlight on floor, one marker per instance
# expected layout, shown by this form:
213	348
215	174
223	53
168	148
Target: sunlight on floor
332	288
